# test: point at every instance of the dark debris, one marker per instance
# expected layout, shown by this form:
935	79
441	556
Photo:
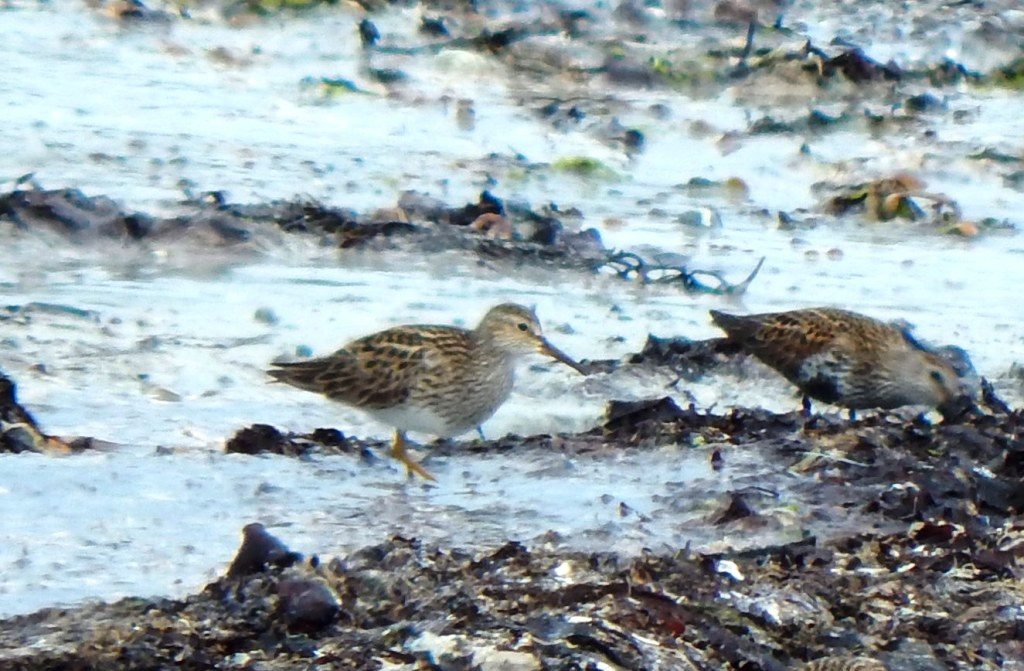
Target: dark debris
20	432
404	602
690	359
260	550
263	438
419	222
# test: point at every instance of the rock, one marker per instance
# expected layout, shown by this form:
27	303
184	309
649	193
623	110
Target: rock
307	605
259	551
491	659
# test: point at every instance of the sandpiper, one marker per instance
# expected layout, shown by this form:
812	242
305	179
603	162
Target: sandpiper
845	358
439	380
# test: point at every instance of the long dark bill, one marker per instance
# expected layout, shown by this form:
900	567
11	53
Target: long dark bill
558	355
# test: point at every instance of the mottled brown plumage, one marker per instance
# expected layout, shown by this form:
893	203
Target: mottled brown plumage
439	380
842	357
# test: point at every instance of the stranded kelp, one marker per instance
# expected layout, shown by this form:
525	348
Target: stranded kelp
938	597
900	197
490	229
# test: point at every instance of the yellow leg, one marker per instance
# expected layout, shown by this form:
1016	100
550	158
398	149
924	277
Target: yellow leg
398	452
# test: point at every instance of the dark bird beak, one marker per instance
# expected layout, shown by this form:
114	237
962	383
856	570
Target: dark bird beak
956	408
547	349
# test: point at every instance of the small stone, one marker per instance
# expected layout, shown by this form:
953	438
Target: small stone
307	604
491	659
705	217
260	549
265	316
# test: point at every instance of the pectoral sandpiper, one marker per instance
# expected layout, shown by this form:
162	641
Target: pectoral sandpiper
439	380
845	358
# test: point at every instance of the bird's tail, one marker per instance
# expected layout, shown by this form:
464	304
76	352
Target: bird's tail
301	374
735	326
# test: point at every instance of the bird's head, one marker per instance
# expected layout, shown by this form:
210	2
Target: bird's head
516	330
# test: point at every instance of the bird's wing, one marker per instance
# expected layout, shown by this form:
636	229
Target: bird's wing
378	371
782	340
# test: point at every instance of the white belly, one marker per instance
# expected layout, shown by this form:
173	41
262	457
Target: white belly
463	407
421	420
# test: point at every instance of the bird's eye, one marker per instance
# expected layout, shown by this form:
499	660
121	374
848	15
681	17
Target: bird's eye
523	326
938	377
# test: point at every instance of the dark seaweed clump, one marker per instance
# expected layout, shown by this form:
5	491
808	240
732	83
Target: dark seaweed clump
938	596
490	229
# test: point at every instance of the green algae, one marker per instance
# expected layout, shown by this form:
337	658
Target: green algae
584	166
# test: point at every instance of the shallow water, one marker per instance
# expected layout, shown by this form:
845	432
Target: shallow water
169	354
